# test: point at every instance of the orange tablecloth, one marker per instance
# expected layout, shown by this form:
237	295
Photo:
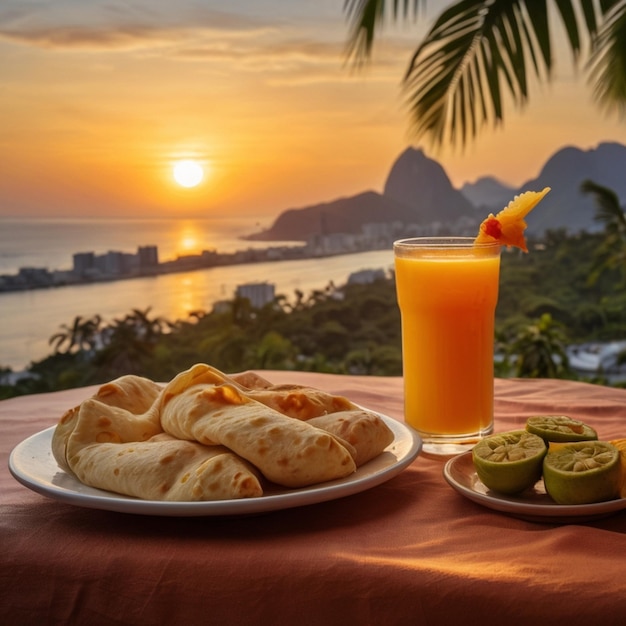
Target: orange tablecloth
411	551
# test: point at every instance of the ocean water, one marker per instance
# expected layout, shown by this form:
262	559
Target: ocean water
52	242
30	318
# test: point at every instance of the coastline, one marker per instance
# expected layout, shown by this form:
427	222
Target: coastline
31	317
128	266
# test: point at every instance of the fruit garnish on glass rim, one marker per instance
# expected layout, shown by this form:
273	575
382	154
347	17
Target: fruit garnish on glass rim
508	226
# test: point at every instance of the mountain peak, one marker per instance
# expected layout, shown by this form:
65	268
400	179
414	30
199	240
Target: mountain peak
421	183
566	206
488	191
418	192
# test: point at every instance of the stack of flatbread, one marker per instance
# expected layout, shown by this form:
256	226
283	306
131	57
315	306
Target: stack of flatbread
209	436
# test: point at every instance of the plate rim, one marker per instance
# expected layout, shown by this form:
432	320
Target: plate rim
517	506
104	500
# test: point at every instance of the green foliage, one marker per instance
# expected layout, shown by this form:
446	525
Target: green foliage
545	303
538	350
480	55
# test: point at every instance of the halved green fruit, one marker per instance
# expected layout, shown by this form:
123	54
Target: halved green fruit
620	444
509	462
583	472
559	428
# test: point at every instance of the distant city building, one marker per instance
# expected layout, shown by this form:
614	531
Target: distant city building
259	294
35	276
210	257
83	263
373	230
148	256
111	263
333	243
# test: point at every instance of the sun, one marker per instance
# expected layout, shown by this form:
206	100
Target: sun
188	173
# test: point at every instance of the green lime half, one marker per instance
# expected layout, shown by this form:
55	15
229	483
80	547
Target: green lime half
559	428
583	472
509	462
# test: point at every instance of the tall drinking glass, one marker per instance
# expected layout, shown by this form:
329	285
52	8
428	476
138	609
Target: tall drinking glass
447	291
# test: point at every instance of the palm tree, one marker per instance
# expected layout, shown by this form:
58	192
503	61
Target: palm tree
477	50
612	252
146	328
82	334
67	336
539	350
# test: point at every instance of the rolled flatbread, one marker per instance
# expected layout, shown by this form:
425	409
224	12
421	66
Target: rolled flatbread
167	469
110	447
209	436
296	401
287	451
133	393
303	403
250	380
365	431
126	414
362	432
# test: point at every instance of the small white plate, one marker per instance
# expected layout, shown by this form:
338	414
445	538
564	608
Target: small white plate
533	504
32	464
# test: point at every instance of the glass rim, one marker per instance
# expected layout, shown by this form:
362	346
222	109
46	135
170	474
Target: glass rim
452	242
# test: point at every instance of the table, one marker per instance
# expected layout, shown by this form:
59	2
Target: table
410	551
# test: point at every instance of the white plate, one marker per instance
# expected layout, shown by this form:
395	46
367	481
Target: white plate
534	504
32	464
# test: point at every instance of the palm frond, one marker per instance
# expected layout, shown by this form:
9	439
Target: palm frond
607	65
480	51
608	209
456	77
366	17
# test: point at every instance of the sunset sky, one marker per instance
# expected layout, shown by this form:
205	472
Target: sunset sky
100	98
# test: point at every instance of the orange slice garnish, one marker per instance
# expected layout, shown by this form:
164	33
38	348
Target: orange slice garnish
508	226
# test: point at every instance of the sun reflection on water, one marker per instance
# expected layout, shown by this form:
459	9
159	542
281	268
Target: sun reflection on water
188	294
190	239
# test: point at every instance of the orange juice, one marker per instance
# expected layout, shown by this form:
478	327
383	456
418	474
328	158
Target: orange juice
447	292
